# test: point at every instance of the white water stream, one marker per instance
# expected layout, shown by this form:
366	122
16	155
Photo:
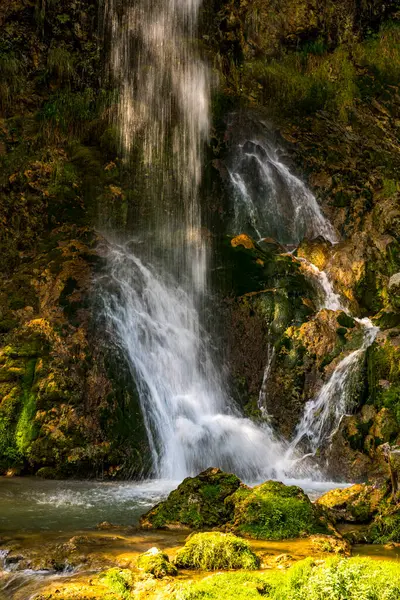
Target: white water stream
269	200
190	422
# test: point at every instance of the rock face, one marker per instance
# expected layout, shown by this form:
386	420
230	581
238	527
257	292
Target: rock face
216	499
326	75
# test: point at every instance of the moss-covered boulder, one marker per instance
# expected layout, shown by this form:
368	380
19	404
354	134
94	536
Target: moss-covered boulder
213	550
385	527
329	544
197	503
157	563
356	504
274	511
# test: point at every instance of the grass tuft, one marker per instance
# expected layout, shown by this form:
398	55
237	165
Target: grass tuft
212	551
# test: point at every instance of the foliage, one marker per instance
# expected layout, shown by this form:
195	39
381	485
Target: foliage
157	563
60	63
212	551
335	579
313	78
275	511
385	528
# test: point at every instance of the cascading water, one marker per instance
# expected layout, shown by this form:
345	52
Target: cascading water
189	423
151	298
269	201
163	119
323	414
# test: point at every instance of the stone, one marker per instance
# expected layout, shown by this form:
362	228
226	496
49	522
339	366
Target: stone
197	503
157	563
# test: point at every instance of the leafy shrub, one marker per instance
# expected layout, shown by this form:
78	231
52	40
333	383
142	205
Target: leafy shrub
212	551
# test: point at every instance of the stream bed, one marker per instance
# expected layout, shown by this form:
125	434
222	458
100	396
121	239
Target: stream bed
49	531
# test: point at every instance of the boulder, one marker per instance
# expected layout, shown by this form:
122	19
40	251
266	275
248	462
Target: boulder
197	503
356	504
274	511
157	563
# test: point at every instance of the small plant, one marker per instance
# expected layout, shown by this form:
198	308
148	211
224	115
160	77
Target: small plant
212	551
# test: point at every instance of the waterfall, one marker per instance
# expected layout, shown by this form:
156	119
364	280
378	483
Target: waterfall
269	200
163	120
188	417
328	298
323	414
154	284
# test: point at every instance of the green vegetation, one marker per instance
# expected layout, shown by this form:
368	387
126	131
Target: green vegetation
213	551
335	579
157	563
198	502
314	78
120	582
274	511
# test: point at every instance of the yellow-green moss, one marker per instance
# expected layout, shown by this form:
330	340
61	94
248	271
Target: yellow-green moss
213	551
157	563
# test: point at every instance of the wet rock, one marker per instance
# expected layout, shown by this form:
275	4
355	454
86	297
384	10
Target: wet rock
356	504
330	544
197	503
274	511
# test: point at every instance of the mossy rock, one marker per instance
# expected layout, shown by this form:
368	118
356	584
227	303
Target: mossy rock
346	320
356	504
157	563
329	544
274	511
119	581
385	528
212	551
198	503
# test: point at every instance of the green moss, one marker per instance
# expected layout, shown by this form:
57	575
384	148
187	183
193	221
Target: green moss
120	581
385	528
60	63
197	503
213	551
346	320
157	563
26	429
275	511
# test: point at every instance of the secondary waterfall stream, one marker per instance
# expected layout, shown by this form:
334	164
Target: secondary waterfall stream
270	201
